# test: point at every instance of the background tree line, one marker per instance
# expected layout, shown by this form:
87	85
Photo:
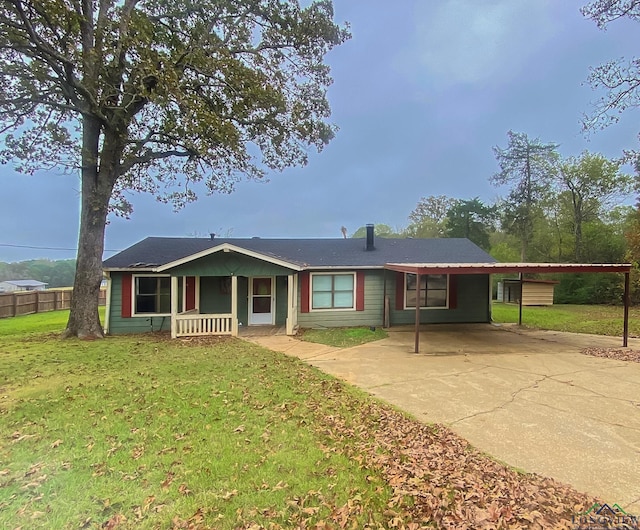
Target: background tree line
553	209
57	273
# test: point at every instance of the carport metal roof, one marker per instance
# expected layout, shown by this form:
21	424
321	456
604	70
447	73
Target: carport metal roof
521	268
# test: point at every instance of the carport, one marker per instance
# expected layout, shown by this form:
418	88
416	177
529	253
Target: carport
420	269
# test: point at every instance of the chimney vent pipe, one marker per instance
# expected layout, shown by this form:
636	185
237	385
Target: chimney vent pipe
370	245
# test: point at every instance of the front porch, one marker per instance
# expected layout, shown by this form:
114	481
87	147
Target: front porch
252	305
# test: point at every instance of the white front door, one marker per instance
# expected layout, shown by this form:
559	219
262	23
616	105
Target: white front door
261	301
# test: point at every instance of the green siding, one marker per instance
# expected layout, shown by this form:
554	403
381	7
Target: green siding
472	306
371	316
243	300
228	264
142	324
281	300
214	298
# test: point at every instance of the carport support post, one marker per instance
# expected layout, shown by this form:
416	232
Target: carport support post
416	348
625	332
520	302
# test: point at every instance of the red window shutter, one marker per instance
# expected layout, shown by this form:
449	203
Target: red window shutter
126	295
453	291
190	295
360	291
399	290
304	292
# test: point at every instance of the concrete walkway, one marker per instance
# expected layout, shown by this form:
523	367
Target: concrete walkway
528	398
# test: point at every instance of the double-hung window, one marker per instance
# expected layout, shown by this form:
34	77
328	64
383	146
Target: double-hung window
432	291
332	291
152	295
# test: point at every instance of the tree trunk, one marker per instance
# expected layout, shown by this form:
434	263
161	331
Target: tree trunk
84	320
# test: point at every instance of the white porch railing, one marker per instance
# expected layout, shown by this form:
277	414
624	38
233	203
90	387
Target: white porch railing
193	325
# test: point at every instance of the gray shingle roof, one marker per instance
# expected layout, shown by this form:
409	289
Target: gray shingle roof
307	253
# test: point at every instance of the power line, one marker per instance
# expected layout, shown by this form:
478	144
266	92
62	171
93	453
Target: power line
49	248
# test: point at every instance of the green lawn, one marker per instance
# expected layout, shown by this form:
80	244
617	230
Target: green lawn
147	432
596	319
50	322
152	431
343	337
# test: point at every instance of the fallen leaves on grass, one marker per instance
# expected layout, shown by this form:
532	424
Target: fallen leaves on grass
439	479
614	353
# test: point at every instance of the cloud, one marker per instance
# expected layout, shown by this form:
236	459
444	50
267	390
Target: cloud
471	41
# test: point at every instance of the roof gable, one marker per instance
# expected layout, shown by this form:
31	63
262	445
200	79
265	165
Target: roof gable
228	247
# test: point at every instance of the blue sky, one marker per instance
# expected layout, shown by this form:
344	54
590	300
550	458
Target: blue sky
422	93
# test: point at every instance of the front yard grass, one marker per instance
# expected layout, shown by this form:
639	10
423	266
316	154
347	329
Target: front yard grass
596	319
148	432
51	321
343	337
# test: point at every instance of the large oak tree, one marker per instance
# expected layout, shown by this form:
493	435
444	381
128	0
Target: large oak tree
158	95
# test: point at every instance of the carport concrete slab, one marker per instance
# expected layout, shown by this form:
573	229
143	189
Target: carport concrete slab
528	398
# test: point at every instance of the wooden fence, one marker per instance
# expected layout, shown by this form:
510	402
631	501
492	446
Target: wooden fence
27	302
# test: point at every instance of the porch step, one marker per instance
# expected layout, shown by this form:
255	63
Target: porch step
261	331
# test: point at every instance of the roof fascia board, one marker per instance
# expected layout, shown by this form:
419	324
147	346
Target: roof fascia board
342	267
128	269
229	248
495	268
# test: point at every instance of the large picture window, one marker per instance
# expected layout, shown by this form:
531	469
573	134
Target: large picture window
432	290
332	291
152	295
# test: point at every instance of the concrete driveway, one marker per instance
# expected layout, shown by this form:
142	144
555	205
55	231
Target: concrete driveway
528	398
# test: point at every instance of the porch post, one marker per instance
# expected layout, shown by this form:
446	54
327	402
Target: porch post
174	306
291	304
234	305
627	299
417	338
198	294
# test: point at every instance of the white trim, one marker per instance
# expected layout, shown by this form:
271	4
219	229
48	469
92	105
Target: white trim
107	309
234	305
292	298
272	297
324	310
174	306
197	301
413	307
227	247
133	295
184	293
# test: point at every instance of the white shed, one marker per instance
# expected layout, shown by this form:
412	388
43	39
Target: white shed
534	292
9	286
